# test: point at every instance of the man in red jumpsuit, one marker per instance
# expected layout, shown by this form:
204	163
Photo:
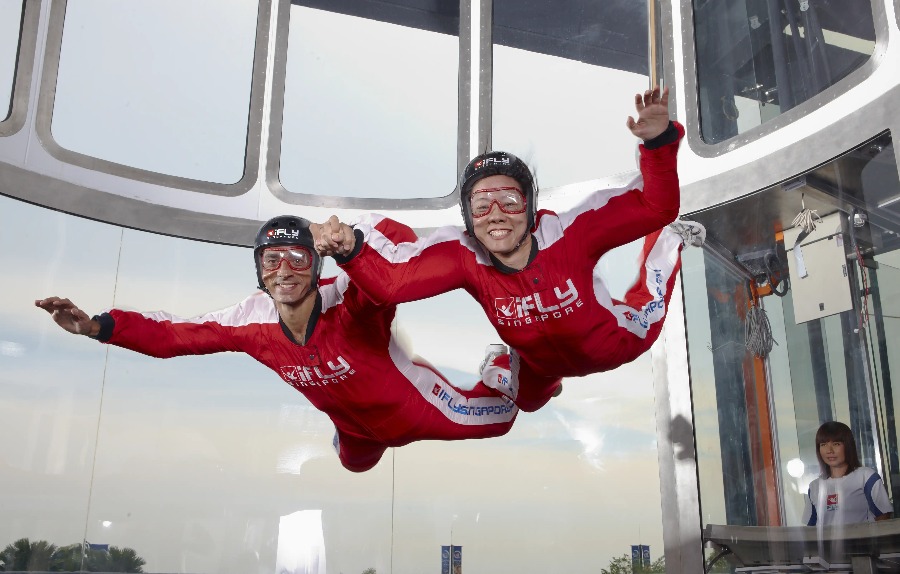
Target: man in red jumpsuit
323	337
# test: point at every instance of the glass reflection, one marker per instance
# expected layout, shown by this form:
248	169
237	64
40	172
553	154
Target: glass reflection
10	29
160	100
757	416
192	463
364	115
756	59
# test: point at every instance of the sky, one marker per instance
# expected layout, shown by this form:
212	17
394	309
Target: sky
194	462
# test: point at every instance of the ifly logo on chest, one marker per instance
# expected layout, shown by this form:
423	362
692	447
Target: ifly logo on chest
302	376
555	303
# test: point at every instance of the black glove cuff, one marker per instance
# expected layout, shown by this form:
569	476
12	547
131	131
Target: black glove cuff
107	324
665	138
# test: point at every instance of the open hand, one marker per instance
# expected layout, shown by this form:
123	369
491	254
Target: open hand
68	316
652	114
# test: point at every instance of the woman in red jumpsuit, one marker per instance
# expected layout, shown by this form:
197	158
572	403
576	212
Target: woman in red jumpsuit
533	272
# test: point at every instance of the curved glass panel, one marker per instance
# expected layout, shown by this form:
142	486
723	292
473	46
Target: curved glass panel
757	59
364	114
591	60
823	299
10	28
214	464
139	87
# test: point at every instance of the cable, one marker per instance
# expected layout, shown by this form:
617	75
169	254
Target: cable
758	336
772	276
807	218
757	329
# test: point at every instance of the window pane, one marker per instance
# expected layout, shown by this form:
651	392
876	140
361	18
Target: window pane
162	86
757	59
10	23
50	385
214	464
365	115
591	60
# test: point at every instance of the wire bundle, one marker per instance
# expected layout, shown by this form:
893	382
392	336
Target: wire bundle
806	219
758	332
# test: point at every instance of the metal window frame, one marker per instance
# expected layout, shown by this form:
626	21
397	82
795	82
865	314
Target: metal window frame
692	88
272	153
21	87
47	96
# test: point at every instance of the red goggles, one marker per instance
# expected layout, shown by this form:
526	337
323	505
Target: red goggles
509	199
298	258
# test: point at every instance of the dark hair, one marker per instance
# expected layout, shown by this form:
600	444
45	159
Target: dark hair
834	431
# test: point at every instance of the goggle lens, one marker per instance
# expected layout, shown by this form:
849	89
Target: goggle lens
297	258
509	199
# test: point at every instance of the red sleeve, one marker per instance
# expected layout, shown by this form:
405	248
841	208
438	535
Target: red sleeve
613	217
163	335
392	272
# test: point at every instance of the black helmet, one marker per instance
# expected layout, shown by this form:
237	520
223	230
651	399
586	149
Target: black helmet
286	230
496	163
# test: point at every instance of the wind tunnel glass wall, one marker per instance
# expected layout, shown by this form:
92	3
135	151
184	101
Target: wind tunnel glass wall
154	97
592	60
214	464
757	59
10	31
364	114
834	343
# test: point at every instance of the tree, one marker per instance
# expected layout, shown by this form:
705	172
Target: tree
27	556
369	571
623	565
113	560
620	565
68	558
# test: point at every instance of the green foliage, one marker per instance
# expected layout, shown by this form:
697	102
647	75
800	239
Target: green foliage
26	556
369	571
116	560
69	558
622	565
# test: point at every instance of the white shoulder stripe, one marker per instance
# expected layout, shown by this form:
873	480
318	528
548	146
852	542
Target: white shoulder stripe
333	294
397	253
257	308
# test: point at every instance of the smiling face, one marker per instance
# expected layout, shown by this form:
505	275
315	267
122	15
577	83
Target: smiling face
832	452
501	229
286	273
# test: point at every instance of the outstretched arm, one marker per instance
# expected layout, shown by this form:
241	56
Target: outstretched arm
162	334
68	316
611	217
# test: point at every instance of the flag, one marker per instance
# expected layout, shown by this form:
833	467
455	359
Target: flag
445	560
640	555
456	560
